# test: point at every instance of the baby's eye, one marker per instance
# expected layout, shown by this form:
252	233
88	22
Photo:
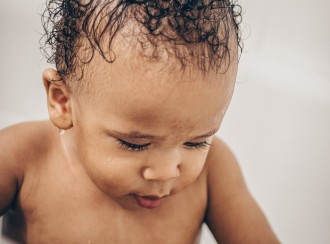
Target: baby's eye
197	145
132	147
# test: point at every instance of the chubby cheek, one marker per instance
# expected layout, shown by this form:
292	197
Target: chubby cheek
190	169
112	173
114	176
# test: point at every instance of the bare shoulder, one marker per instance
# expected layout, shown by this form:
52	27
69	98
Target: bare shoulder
21	145
25	140
232	215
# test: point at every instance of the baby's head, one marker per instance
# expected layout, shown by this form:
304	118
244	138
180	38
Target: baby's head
200	34
141	87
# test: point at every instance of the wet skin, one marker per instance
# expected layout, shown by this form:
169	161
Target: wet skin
138	162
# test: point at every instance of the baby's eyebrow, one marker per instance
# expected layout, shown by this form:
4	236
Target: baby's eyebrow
138	135
211	133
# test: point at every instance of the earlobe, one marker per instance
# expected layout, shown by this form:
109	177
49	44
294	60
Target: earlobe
58	99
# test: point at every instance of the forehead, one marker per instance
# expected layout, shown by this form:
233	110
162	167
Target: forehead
133	68
137	90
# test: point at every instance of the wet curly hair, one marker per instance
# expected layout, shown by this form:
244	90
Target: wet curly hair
190	30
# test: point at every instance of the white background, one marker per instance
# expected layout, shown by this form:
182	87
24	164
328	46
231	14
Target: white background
279	121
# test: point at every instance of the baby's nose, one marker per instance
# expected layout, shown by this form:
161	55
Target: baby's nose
161	172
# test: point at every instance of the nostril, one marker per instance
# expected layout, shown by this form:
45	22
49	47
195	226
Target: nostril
178	168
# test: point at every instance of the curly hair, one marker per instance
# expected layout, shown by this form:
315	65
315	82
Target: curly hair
198	30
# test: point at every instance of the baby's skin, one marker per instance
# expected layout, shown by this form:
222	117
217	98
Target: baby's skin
130	158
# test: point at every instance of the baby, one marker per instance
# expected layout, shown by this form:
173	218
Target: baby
129	154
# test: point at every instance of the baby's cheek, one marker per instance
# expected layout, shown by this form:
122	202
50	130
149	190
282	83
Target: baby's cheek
191	169
115	176
194	162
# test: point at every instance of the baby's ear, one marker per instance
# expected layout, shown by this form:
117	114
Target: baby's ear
58	98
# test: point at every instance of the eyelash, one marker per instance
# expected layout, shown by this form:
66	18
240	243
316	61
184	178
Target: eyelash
132	147
197	145
139	148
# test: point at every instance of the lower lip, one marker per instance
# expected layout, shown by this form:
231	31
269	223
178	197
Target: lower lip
148	202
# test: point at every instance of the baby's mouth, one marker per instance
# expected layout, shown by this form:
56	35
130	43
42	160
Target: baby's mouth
149	201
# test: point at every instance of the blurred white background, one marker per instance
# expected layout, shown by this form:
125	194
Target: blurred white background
278	123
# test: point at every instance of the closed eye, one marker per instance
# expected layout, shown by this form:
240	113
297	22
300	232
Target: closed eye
142	147
197	145
132	146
